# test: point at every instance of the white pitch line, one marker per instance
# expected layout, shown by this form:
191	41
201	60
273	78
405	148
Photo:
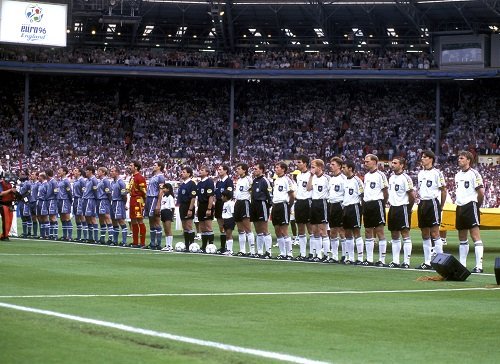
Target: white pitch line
166	335
62	254
304	293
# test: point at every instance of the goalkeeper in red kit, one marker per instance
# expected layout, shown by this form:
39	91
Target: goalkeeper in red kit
137	190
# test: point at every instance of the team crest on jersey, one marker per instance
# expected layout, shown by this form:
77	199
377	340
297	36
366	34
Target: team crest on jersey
183	192
304	184
372	185
202	191
337	188
396	187
429	183
320	188
257	189
351	191
280	188
466	184
241	188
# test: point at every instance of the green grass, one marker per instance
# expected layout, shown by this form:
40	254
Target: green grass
418	327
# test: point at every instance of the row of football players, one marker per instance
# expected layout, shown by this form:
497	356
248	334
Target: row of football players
339	202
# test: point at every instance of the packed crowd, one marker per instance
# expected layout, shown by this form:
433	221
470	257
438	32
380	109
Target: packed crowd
110	122
284	59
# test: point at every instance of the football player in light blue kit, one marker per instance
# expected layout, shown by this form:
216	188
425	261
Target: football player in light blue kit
104	205
78	212
89	204
64	200
118	211
51	201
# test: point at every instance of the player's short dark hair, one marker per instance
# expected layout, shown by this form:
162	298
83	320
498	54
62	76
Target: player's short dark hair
430	154
49	172
205	168
243	166
82	171
261	166
227	194
161	165
90	168
189	170
225	167
64	169
303	158
350	165
137	164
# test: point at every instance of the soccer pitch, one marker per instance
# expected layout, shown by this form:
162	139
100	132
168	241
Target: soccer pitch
74	303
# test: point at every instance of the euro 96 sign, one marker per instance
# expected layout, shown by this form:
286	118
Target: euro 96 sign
33	23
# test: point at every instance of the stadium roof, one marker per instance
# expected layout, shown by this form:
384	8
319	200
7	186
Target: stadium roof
259	24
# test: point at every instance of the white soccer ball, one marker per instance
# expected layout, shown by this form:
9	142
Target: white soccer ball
211	249
194	248
180	246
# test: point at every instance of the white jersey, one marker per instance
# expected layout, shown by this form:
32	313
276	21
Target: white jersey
321	186
353	189
282	187
167	202
228	209
430	182
242	190
467	184
399	186
302	193
375	182
336	188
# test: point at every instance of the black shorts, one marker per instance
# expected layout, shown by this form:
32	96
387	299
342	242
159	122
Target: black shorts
202	211
219	204
399	218
319	212
467	216
259	211
167	215
429	213
352	217
183	210
280	214
335	213
241	210
302	211
373	213
229	224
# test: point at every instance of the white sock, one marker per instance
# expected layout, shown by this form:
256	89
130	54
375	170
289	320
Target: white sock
281	246
382	250
344	249
479	250
407	247
396	250
268	242
426	245
438	246
349	246
463	250
251	242
260	243
229	245
326	245
335	248
168	241
288	246
370	245
242	239
302	245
